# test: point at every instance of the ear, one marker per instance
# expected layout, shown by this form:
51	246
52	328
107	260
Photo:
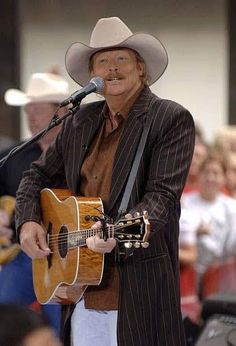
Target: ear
140	68
92	73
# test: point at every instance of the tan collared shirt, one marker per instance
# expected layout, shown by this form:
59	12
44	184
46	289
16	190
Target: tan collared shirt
96	170
96	173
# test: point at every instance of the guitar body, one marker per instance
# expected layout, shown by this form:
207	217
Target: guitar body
8	250
63	276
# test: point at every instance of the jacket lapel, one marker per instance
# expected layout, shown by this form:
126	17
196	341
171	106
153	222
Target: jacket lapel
128	146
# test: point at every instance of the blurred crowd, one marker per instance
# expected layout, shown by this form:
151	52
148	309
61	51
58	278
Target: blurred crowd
208	222
39	103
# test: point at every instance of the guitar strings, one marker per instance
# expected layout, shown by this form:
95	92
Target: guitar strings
63	238
87	230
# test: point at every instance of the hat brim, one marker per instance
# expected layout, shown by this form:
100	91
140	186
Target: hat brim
15	97
149	47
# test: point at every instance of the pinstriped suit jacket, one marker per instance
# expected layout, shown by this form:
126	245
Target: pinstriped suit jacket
149	307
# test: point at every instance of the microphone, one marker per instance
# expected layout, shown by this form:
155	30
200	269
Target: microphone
95	84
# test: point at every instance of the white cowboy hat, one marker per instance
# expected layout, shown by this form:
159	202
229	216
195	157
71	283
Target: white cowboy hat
42	87
112	32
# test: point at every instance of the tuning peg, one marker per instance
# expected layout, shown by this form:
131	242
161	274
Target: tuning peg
137	244
145	245
136	214
128	245
128	216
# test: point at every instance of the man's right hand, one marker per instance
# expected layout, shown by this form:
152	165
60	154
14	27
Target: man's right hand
33	240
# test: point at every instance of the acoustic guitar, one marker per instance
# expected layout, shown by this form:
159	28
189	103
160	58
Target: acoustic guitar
8	250
63	276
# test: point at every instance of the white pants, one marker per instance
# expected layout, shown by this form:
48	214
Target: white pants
92	327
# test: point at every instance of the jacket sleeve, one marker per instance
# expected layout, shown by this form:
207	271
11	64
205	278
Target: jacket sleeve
171	145
47	171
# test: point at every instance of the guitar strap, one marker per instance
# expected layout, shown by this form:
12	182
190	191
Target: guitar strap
122	254
130	183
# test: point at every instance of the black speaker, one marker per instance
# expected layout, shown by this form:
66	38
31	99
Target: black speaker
219	330
221	304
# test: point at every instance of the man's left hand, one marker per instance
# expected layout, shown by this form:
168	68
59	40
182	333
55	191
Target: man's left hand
97	244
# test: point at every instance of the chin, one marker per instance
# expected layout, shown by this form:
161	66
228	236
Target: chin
115	89
112	94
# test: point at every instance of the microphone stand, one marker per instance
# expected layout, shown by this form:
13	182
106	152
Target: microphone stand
55	121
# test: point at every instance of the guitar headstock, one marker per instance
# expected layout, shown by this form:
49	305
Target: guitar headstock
133	230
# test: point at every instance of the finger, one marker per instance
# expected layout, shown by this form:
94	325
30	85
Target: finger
33	250
103	243
96	225
93	245
90	243
31	246
104	246
109	245
42	243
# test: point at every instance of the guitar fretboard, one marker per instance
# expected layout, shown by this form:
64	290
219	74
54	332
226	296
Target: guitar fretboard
78	238
66	239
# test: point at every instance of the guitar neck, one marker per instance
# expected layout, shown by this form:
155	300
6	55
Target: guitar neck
78	238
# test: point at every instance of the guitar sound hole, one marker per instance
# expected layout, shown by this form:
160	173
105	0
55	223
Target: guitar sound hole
63	241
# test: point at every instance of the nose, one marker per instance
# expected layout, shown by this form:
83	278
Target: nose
113	68
112	65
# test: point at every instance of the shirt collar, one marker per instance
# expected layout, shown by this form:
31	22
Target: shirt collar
124	112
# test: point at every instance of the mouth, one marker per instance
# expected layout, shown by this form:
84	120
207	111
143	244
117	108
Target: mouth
113	79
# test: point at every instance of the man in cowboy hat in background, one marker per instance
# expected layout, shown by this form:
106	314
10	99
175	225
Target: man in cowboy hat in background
142	285
40	101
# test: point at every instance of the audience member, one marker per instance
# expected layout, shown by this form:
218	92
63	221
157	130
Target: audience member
190	304
21	326
230	184
225	139
44	92
187	237
199	154
215	213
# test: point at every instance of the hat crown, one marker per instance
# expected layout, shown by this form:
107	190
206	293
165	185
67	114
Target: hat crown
109	31
42	87
43	84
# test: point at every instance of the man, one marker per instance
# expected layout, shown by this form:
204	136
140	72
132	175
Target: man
44	92
93	154
211	213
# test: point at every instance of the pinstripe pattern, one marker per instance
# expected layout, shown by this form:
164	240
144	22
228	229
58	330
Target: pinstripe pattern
149	311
